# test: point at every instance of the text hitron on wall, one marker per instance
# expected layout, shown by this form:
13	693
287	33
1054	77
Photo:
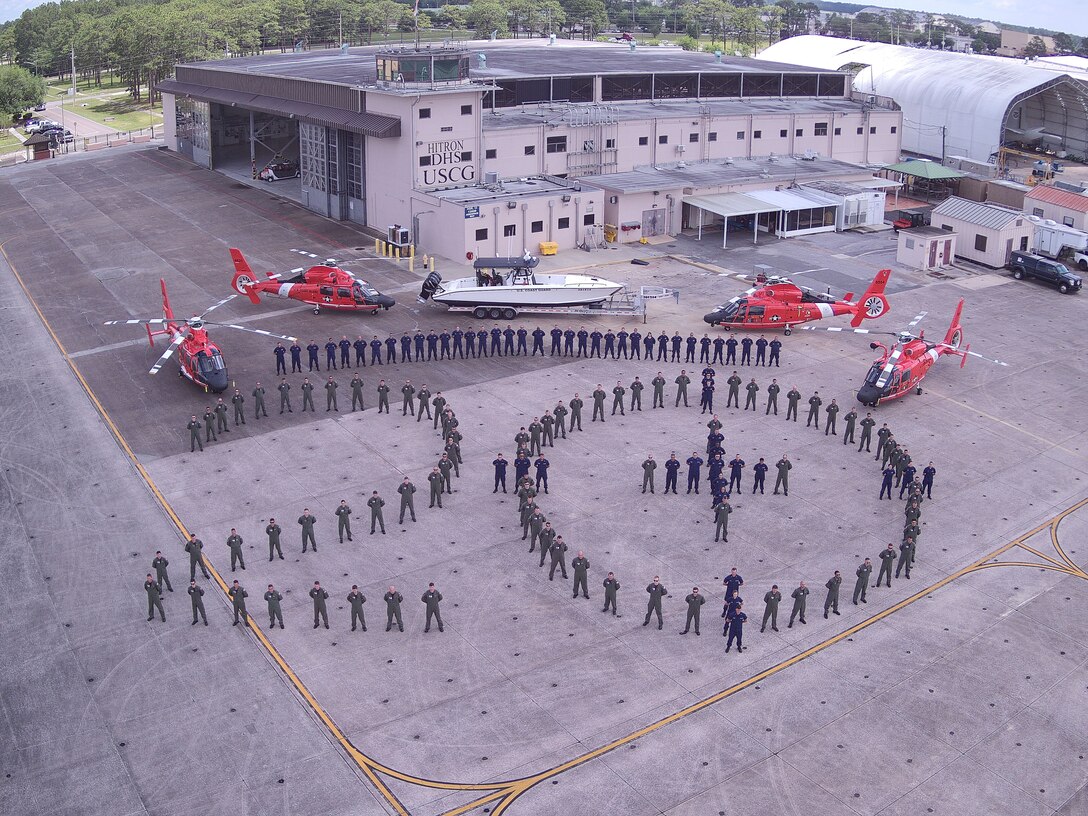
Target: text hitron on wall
447	162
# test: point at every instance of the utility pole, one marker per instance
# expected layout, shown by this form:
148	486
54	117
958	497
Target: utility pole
341	41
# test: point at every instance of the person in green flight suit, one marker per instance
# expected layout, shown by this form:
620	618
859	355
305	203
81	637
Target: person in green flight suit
196	598
648	468
831	602
770	608
617	398
154	598
307	521
581	574
863	572
598	403
611	589
285	396
376	503
258	401
558	552
547	422
445	467
721	520
546	538
832	412
431	599
424	397
866	432
906	550
560	413
576	412
393	601
194	427
814	403
435	478
238	597
800	599
238	401
209	425
784	467
772	397
658	383
319	596
273	531
793	397
439	403
695	603
343	520
636	394
357	393
887	556
734	391
851	421
409	392
356	599
195	547
752	388
682	383
234	544
307	394
330	395
656	591
159	563
406	489
383	397
536	431
273	597
221	416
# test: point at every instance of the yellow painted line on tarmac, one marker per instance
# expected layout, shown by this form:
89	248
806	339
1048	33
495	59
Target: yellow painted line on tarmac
515	788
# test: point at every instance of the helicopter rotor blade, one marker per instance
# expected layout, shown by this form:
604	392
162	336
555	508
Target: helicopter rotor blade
889	367
166	355
847	330
974	354
252	331
917	319
153	321
216	306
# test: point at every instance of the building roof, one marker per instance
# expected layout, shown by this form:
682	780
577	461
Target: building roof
952	103
1060	198
925	169
989	216
720	174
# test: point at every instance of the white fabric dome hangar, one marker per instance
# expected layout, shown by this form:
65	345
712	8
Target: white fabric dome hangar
956	104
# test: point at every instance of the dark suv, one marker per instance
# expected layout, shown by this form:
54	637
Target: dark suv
1026	265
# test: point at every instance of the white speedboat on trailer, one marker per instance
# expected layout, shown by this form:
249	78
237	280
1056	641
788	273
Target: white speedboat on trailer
502	286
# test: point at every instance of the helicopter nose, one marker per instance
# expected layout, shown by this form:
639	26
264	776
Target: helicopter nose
217	382
713	318
868	395
385	301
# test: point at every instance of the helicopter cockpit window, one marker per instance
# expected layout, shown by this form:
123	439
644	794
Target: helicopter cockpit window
874	374
756	311
344	293
209	364
729	310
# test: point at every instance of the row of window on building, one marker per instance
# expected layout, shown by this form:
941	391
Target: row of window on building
511	230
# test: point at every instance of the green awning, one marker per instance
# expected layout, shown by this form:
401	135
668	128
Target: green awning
925	169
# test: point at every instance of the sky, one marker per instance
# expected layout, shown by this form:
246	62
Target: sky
1060	15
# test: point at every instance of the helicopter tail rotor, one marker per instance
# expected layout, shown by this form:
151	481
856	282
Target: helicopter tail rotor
872	303
954	336
243	280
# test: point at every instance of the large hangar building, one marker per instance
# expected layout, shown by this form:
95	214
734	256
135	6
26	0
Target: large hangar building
492	147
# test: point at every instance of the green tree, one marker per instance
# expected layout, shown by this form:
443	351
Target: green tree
486	16
589	15
1064	43
1035	47
19	90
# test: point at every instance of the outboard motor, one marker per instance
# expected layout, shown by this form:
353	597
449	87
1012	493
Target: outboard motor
430	286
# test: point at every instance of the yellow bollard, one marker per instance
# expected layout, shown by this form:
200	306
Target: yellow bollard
411	250
377	246
396	252
434	263
411	263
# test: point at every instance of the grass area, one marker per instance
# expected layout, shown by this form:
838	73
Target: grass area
8	143
57	89
120	113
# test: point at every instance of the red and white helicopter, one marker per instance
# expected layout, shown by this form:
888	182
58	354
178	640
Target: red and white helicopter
199	359
325	285
904	363
779	303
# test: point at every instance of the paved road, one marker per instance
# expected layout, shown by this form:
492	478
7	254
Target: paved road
79	125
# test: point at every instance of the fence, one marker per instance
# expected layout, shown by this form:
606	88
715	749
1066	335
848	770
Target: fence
86	144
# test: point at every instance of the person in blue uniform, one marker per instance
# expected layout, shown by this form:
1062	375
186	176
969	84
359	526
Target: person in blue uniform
732	582
330	355
719	344
672	467
522	334
296	357
405	348
583	338
521	466
694	463
390	350
706	398
418	340
760	473
636	344
345	352
375	351
662	347
432	345
714	439
568	343
714	472
542	466
704	349
886	485
736	465
595	338
500	473
496	342
648	343
689	348
927	479
736	628
621	343
775	347
746	351
470	342
481	342
458	343
538	341
557	341
675	342
360	351
281	358
445	339
508	342
905	483
610	344
761	351
312	349
731	350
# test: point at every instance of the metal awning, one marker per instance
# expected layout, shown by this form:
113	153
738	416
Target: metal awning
790	200
728	205
372	124
878	184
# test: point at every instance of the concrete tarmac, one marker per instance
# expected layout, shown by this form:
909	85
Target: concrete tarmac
530	701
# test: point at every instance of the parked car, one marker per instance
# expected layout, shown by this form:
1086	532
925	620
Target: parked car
40	107
277	171
57	137
38	125
1081	260
1026	265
